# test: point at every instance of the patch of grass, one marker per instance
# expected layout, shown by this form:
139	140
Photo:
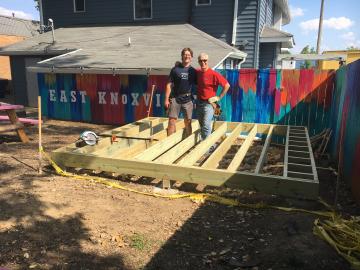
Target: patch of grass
139	242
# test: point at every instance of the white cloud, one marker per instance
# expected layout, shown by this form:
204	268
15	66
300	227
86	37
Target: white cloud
350	40
339	23
296	11
349	36
18	13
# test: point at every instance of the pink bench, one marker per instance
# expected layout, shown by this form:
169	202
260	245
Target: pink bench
28	121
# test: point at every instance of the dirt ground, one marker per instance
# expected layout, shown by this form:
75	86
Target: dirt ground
52	222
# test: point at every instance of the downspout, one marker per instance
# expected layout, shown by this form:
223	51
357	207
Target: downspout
257	34
233	39
41	15
190	11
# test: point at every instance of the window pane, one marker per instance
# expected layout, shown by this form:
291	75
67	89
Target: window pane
80	5
203	2
142	9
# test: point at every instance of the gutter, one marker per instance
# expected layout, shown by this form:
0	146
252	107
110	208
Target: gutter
236	55
233	39
111	71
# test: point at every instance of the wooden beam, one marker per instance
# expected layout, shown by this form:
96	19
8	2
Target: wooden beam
264	150
204	146
213	161
142	145
313	164
122	143
286	156
164	145
238	158
19	127
270	184
177	151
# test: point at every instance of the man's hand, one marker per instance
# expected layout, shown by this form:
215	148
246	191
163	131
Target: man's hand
214	99
167	104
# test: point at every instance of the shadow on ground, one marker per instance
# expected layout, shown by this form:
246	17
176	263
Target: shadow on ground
32	239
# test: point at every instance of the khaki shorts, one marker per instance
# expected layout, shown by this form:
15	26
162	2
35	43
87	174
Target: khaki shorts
175	108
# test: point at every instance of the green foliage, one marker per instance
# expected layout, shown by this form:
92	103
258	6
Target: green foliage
352	48
307	63
36	4
139	242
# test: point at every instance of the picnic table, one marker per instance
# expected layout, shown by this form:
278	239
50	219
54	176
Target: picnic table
16	123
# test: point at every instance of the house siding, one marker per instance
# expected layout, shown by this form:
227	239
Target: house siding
19	78
17	64
267	55
215	19
246	30
117	12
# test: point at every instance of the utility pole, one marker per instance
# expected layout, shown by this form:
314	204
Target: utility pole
320	28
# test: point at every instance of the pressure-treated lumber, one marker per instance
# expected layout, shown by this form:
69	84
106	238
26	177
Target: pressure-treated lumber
235	163
177	151
164	145
286	152
269	184
215	158
262	157
204	146
174	157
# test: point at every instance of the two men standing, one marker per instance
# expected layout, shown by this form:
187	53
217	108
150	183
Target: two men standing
182	78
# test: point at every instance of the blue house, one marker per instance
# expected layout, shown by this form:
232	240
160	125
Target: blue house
146	36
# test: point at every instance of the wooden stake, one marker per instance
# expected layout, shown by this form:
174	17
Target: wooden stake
40	134
151	97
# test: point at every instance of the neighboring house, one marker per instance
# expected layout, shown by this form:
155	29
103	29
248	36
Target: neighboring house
13	30
351	56
235	33
253	26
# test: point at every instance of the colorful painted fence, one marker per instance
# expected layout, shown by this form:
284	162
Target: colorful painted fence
345	123
296	97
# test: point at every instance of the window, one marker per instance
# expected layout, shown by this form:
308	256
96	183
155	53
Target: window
142	9
203	2
79	5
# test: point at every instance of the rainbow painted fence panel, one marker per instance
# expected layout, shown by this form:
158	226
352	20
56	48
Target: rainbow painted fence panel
296	97
345	123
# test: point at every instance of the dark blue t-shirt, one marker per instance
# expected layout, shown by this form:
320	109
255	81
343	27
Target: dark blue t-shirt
183	79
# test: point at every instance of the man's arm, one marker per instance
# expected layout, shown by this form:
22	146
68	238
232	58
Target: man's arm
167	95
225	89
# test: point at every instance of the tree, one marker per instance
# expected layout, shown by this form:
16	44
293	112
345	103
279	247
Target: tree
352	48
307	63
36	4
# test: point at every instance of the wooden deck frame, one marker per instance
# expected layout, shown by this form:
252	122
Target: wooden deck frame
175	157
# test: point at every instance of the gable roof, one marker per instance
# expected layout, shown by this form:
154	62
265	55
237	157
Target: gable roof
107	49
12	26
273	35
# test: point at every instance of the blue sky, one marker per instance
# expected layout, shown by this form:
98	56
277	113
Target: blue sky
341	21
341	26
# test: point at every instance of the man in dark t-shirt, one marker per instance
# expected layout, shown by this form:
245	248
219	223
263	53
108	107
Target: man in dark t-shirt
178	98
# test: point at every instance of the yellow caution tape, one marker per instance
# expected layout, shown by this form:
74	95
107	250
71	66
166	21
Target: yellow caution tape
343	235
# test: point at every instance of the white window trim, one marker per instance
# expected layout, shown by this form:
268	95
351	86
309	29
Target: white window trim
79	11
141	19
197	4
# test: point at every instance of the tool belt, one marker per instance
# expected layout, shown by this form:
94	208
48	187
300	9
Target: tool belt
183	98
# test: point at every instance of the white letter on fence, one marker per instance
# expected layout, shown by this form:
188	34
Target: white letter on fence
124	99
52	94
83	94
158	104
114	98
146	99
102	97
63	96
135	97
73	96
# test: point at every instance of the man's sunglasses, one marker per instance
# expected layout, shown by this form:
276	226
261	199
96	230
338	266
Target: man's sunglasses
203	60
